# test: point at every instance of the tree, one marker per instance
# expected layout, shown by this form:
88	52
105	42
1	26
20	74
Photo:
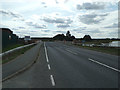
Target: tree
68	34
72	37
59	37
87	38
62	37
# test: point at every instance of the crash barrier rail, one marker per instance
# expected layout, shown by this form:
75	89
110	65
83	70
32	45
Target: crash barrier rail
12	50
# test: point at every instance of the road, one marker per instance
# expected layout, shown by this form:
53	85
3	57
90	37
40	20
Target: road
63	66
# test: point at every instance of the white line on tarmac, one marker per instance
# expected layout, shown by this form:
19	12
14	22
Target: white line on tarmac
52	80
49	66
46	53
71	51
104	65
51	76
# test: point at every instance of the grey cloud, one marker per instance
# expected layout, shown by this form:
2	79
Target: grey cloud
79	7
43	3
94	31
114	34
56	1
57	20
91	18
63	25
45	6
61	31
65	1
114	25
86	30
79	29
14	29
91	6
40	26
46	30
29	23
119	5
21	27
36	25
9	13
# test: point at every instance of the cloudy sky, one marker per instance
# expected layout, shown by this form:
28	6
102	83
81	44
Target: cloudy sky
46	18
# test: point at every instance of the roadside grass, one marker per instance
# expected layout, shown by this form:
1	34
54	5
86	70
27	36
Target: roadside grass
11	47
97	42
15	54
109	50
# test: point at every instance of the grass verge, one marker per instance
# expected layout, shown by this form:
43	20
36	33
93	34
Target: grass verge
11	47
108	50
15	54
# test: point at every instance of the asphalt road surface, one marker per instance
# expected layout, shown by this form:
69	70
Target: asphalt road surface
62	66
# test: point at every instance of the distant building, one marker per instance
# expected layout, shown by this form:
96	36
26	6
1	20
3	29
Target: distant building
8	37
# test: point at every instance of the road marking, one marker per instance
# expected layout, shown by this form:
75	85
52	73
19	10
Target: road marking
71	51
46	53
49	67
104	65
52	80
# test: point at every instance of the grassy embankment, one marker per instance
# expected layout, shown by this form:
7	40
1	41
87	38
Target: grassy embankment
15	54
109	50
11	47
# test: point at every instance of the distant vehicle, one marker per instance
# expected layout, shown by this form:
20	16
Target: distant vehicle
27	40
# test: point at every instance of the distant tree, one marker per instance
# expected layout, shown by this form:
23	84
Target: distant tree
68	34
62	37
72	38
87	38
59	37
107	38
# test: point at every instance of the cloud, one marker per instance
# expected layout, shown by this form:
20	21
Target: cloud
45	6
62	20
63	25
43	3
86	30
119	5
9	13
35	25
21	27
114	25
56	1
79	29
92	18
91	6
46	30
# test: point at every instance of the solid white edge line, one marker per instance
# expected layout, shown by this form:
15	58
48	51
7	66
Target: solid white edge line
71	51
52	80
104	65
49	67
46	53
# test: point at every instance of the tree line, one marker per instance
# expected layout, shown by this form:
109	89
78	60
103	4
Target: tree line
69	37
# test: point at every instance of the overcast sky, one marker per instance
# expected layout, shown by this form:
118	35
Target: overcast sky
46	18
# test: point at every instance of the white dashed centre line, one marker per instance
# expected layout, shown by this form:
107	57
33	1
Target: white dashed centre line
49	67
46	53
52	80
51	76
104	65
